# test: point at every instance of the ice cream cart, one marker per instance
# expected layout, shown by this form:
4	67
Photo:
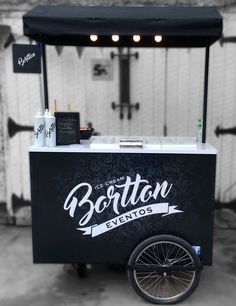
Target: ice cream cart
106	200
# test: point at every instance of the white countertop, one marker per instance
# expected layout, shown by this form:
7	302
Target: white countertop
110	144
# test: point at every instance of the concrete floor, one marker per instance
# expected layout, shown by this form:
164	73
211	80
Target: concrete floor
23	284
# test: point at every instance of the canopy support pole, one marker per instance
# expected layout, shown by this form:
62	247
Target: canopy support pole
45	77
205	95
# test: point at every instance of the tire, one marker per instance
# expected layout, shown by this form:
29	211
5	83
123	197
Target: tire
176	273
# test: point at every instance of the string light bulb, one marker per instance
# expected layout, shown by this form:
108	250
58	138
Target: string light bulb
158	38
93	37
115	38
136	38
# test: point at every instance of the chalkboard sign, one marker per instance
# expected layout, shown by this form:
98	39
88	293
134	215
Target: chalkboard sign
26	58
67	128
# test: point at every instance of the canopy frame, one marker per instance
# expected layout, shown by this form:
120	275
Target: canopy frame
209	31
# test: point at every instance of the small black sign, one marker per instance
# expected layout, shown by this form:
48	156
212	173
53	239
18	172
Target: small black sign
102	70
67	128
26	58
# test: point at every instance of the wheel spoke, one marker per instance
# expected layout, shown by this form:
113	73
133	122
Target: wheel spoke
169	285
188	273
155	255
143	277
157	252
164	287
182	281
145	258
150	255
156	284
149	284
146	277
188	264
178	252
183	258
169	251
163	254
177	285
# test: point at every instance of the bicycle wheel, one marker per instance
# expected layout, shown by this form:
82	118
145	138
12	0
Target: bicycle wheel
164	269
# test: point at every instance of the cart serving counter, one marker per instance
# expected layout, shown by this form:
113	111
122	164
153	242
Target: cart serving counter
104	201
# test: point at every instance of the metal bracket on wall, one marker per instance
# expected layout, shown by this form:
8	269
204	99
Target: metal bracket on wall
222	131
124	77
14	128
228	39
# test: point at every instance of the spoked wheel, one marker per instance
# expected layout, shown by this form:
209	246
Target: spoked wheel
164	269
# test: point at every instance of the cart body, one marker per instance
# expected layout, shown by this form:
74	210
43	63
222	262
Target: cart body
97	205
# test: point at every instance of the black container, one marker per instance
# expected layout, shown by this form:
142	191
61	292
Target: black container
86	133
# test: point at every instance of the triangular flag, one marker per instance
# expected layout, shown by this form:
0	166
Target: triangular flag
79	51
59	49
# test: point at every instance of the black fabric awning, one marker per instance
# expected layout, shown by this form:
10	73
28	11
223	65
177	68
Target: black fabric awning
73	25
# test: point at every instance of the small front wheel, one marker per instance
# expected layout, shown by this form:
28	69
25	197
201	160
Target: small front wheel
164	269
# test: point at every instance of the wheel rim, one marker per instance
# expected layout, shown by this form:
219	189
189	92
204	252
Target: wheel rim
161	285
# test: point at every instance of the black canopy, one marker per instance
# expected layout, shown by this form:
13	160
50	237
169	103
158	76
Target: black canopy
73	25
